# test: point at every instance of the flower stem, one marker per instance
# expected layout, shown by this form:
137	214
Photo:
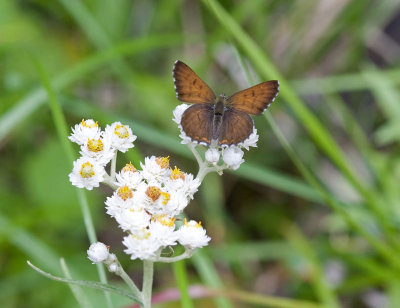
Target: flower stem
148	267
203	170
196	154
129	282
187	254
113	166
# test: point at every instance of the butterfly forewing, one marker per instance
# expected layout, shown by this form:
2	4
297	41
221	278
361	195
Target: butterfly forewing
189	87
197	122
236	127
256	99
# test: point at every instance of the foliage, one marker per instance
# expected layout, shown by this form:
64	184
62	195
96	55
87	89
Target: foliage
311	218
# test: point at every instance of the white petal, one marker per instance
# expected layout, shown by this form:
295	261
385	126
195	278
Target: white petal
178	112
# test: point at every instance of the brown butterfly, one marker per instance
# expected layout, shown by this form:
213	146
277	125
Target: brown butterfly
222	119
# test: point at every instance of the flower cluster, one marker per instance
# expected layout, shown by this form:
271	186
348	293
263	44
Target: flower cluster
223	156
145	202
145	205
98	148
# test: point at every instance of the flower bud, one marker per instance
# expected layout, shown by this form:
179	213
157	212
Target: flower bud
233	157
98	252
212	156
113	267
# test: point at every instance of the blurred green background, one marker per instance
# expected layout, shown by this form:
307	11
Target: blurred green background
313	214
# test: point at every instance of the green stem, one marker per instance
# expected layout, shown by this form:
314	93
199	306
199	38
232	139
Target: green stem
148	267
187	254
113	166
136	292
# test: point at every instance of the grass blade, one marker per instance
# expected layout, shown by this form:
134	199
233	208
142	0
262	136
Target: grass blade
209	275
62	130
183	285
76	290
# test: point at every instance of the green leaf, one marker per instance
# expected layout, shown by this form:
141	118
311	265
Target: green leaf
91	284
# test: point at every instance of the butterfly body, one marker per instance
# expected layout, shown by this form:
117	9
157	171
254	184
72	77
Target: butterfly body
219	109
219	119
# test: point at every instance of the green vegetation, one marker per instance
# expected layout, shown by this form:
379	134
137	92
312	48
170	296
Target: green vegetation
311	219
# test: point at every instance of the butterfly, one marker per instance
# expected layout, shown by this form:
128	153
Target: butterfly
221	120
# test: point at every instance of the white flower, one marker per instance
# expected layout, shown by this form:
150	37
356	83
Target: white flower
192	235
178	112
132	220
155	168
122	199
121	136
163	231
86	173
87	129
129	176
155	199
98	149
115	204
182	183
212	155
251	141
233	157
141	245
140	199
175	205
98	252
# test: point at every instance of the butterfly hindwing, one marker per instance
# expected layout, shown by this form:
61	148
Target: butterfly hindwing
235	128
197	122
256	99
189	87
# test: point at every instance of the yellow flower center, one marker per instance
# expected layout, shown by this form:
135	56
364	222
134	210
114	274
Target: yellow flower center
121	131
88	124
176	174
153	193
192	223
129	168
166	197
124	192
164	220
95	145
163	162
143	235
86	170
